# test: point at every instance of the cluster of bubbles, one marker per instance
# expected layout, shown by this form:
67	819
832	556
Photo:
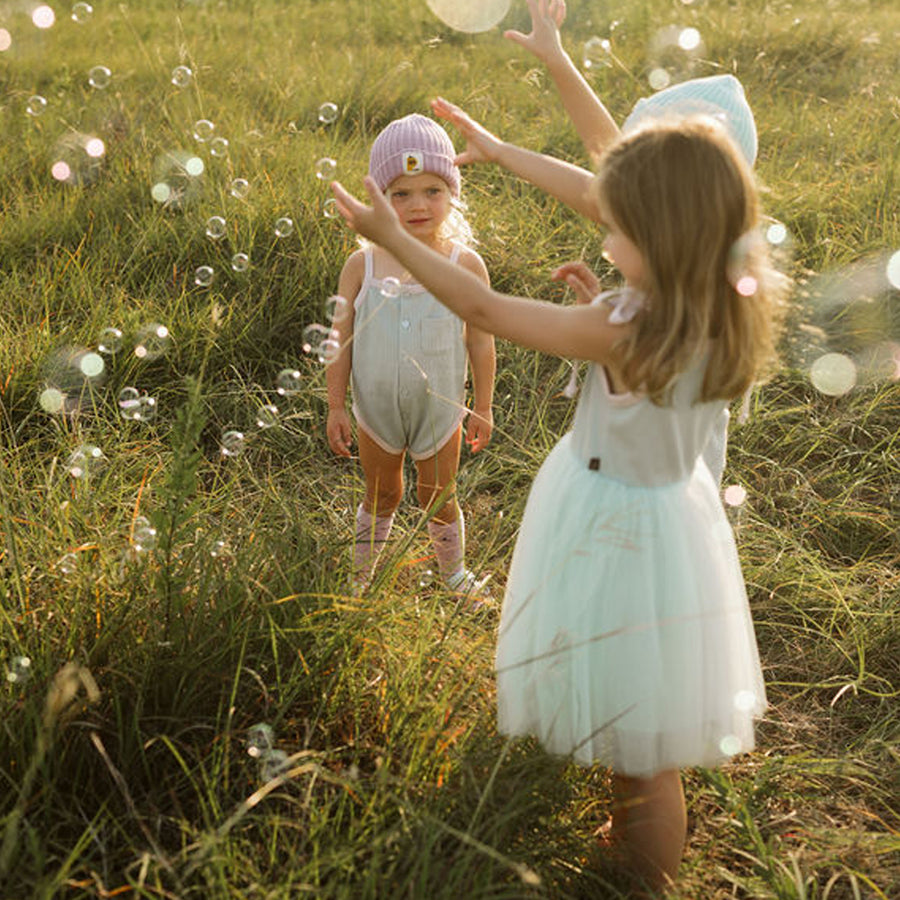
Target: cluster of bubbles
73	374
77	158
273	763
673	53
18	669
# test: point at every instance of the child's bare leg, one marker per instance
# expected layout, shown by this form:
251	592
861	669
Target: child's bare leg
436	479
649	825
384	476
384	488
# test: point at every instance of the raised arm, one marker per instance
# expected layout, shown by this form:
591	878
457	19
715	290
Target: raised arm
483	364
579	332
568	183
593	122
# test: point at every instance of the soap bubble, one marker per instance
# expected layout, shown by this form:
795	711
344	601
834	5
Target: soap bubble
846	329
426	579
218	548
152	341
734	495
77	159
5	40
232	444
325	168
240	262
86	461
203	130
67	564
182	76
94	147
745	701
328	113
260	739
597	52
144	536
313	335
321	342
129	398
136	406
176	178
674	52
266	416
336	308
833	374
35	105
288	382
470	15
70	376
99	77
215	228
218	147
18	670
82	13
330	208
43	16
730	745
273	764
284	226
240	187
892	270
390	286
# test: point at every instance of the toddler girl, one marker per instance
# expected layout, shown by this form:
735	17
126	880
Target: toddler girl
406	354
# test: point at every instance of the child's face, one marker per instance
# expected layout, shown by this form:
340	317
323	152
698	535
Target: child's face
622	252
422	202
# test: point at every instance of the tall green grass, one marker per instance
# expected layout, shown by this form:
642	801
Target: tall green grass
396	784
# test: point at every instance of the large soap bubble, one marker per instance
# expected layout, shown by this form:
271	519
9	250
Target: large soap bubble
469	15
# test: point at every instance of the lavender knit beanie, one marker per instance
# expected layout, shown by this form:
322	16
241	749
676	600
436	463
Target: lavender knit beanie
412	145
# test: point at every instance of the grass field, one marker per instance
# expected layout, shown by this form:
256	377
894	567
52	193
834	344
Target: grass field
159	598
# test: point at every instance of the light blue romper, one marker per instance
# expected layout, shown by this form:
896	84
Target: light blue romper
409	366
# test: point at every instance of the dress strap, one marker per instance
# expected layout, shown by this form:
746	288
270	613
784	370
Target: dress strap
367	256
454	253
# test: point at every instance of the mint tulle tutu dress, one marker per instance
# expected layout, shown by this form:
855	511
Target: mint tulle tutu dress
625	637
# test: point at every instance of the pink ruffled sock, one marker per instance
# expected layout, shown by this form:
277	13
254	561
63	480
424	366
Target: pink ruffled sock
372	533
449	542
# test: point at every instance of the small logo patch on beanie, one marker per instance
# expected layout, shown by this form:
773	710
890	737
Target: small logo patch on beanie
413	162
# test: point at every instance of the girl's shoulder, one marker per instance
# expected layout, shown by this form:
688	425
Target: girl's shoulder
355	262
471	260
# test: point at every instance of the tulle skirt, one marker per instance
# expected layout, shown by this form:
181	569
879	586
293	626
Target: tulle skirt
625	637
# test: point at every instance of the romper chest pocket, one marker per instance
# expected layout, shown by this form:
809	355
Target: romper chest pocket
439	333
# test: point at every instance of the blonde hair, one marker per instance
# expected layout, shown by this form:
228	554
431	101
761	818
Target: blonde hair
682	193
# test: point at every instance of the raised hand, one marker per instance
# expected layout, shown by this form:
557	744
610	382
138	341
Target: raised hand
543	40
376	222
580	278
481	145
